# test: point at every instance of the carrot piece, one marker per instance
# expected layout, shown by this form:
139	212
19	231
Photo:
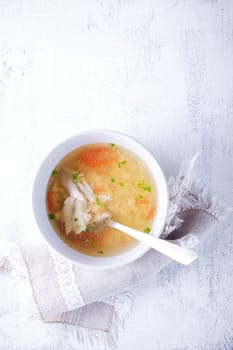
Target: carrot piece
150	213
78	237
141	201
74	237
98	190
62	228
50	201
97	156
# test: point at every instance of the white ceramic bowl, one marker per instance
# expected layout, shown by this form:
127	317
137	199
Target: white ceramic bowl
39	196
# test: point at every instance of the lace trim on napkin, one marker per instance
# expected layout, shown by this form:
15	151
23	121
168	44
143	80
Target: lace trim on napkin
68	286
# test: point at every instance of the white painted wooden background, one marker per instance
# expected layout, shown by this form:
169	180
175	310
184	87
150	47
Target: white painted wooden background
159	70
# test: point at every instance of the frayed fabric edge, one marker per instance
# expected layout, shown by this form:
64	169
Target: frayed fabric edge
92	338
122	308
11	260
186	192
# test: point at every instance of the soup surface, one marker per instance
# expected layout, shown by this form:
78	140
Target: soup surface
121	184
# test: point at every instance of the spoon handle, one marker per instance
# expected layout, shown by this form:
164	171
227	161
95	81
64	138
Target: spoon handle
180	254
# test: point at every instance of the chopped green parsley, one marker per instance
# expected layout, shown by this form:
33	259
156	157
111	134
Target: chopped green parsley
113	180
51	216
147	230
122	163
121	184
144	187
98	201
54	172
140	196
100	252
75	177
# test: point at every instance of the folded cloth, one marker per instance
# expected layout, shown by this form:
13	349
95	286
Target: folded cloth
93	303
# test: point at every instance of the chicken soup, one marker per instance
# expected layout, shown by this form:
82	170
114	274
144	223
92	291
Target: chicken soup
94	180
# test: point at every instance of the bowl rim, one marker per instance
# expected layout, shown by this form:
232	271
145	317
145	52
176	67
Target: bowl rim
39	196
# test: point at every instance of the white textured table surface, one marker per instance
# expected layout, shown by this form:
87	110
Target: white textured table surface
161	71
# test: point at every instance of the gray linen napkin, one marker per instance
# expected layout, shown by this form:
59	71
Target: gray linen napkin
93	303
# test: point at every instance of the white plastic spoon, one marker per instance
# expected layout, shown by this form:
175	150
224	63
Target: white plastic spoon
180	254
